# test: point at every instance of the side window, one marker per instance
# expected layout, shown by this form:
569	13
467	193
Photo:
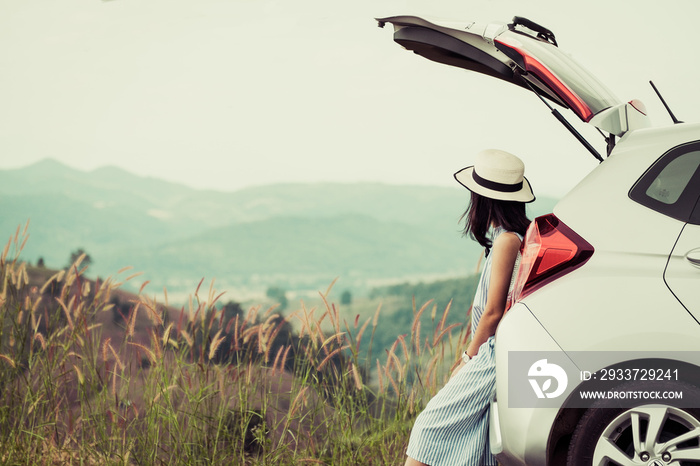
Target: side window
668	185
672	185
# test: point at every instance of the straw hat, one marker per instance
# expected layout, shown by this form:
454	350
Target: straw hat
497	174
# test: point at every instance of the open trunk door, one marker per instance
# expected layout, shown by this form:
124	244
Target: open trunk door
525	54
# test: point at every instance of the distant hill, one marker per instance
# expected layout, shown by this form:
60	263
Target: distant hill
310	252
296	235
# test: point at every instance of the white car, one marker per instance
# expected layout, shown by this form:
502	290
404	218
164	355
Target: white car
598	360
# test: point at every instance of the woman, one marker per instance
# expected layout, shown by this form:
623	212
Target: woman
453	428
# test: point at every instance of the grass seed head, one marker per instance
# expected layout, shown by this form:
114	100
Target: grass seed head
356	376
187	337
416	341
10	361
215	343
358	339
277	358
375	321
69	317
157	349
40	338
166	335
132	321
379	375
105	346
78	373
393	383
298	401
117	359
148	352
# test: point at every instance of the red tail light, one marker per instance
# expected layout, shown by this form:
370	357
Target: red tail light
550	249
530	64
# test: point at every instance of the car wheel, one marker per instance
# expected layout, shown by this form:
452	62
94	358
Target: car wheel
648	434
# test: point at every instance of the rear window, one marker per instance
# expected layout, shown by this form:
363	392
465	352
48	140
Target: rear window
672	185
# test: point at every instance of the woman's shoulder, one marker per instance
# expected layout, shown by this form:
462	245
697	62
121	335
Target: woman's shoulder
507	242
500	232
505	253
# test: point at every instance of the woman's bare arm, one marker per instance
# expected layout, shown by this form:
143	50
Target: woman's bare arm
505	250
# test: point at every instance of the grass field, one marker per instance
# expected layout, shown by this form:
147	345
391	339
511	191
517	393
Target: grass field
90	374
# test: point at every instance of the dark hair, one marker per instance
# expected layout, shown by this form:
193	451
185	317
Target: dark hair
484	211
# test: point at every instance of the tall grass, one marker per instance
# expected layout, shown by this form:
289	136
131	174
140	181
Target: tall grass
203	384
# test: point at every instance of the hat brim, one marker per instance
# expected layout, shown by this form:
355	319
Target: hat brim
465	178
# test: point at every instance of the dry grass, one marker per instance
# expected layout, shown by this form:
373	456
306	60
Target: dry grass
82	382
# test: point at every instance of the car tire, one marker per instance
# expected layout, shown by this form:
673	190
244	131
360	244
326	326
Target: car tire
605	434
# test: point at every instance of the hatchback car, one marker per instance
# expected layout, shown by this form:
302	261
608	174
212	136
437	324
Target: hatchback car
598	357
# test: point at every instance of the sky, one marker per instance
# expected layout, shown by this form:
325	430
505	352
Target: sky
228	94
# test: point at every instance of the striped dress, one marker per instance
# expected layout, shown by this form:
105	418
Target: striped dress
453	428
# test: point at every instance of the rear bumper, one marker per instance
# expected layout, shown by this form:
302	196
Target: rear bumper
519	436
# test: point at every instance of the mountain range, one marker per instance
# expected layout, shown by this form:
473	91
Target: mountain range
295	236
